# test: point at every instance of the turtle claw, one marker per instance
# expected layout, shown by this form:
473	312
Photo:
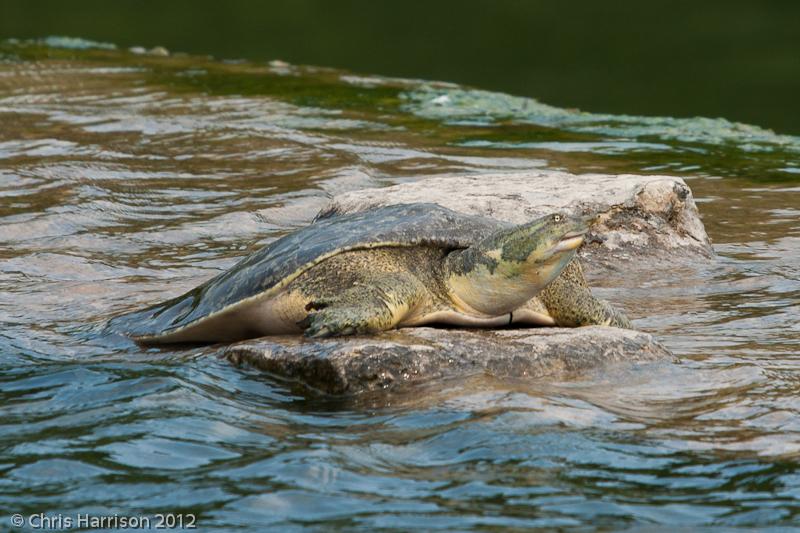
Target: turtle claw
326	323
324	332
321	333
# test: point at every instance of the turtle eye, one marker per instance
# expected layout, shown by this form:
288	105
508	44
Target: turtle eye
557	218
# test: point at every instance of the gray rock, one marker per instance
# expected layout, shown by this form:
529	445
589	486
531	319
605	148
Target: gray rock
644	223
384	362
641	218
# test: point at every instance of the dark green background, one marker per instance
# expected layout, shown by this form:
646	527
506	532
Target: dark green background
736	59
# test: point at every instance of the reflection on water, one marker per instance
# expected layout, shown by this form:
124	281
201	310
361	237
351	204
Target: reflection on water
129	178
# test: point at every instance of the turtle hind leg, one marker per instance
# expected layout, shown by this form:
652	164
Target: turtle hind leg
338	321
376	304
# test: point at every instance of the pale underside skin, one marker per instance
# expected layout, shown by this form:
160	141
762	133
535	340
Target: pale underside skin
281	314
411	292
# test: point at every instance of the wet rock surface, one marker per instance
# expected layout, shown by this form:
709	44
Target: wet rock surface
640	218
359	364
643	222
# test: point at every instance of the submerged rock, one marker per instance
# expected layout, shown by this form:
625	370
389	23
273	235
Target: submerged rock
640	217
359	364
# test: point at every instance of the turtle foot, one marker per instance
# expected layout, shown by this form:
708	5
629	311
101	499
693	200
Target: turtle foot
332	322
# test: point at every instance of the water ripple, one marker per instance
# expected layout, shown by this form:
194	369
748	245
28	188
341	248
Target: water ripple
128	178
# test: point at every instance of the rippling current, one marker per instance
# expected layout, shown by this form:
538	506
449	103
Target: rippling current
128	177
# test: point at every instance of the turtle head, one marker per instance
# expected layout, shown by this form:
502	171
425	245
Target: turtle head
511	266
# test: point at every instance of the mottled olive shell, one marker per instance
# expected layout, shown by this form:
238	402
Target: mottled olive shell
281	261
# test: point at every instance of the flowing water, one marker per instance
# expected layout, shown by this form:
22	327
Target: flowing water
129	177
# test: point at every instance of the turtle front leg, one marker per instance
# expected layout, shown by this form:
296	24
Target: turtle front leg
571	303
375	304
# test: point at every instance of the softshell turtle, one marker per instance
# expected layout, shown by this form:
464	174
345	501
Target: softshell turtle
389	267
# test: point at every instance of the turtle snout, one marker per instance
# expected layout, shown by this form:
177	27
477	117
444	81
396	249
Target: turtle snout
570	241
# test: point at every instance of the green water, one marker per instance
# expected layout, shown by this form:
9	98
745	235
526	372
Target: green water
736	59
127	178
